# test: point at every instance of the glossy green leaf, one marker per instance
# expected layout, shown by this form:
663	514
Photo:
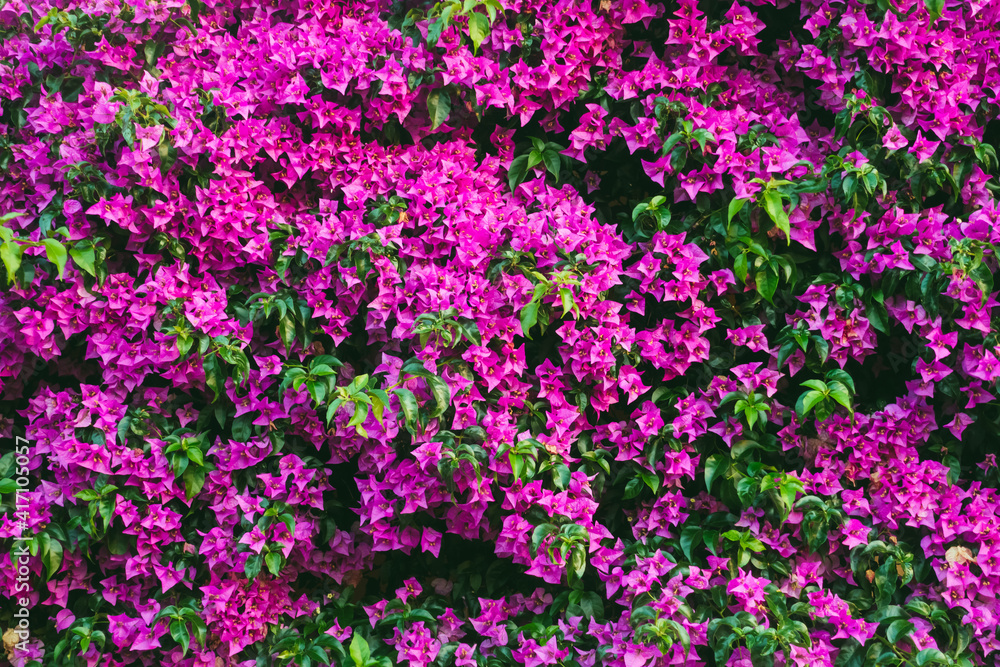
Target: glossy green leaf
10	254
479	29
775	209
767	283
410	407
360	653
529	317
438	106
715	465
735	206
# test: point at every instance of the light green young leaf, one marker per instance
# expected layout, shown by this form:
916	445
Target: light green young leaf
839	393
10	254
479	29
775	209
935	8
56	253
529	317
360	653
735	206
818	385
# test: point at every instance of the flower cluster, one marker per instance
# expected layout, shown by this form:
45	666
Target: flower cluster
500	332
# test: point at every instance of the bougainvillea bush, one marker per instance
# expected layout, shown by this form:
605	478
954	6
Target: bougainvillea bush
499	332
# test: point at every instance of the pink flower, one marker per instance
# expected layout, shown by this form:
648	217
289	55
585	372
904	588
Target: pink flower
533	654
411	588
854	533
255	539
465	655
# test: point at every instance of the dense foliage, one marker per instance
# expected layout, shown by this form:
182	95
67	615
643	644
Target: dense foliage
500	332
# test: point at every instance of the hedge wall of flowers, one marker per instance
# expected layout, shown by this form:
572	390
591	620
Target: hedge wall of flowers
499	332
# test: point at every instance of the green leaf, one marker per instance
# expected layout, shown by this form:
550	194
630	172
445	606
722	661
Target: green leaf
517	172
106	506
690	535
529	317
252	567
479	28
56	253
774	208
286	330
935	8
715	465
194	480
931	656
359	416
822	348
741	267
196	456
898	629
84	258
539	534
671	142
125	120
410	407
818	385
807	402
983	277
786	266
851	654
682	636
441	393
735	206
360	653
243	427
767	283
273	561
839	393
553	162
179	633
650	479
45	20
317	390
633	488
10	254
732	396
841	375
214	377
51	552
378	402
638	210
331	409
439	105
152	52
566	297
